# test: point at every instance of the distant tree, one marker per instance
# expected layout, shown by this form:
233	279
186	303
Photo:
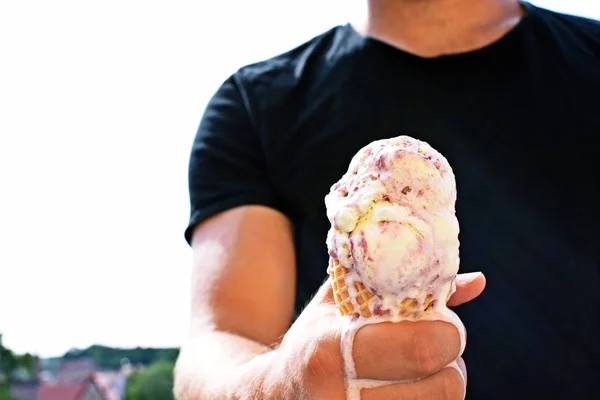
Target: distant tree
5	393
110	357
26	362
152	383
8	363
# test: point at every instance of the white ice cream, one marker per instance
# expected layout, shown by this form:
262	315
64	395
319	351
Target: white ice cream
393	225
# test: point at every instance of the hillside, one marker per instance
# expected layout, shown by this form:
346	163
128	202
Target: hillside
111	358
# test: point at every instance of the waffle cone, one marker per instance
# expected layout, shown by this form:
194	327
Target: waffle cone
363	299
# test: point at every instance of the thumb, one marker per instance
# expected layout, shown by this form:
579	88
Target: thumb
321	308
325	293
468	287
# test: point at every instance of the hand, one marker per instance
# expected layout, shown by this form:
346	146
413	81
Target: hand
308	363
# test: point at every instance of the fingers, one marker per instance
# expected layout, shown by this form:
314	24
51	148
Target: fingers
463	368
468	287
404	350
447	384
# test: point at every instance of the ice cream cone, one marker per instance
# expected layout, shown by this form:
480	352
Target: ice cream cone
362	302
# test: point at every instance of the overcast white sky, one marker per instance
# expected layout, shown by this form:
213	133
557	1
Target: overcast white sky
99	103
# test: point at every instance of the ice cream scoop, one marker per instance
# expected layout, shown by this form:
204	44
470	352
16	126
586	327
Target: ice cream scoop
393	242
394	229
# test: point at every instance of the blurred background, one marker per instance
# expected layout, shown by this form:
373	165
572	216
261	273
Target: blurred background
99	104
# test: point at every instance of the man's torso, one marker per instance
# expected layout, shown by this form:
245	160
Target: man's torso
517	121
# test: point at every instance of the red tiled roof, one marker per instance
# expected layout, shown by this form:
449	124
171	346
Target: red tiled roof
111	384
61	391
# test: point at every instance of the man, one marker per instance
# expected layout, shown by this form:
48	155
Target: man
510	94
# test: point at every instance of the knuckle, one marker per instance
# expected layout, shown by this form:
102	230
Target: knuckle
426	364
321	361
453	387
425	357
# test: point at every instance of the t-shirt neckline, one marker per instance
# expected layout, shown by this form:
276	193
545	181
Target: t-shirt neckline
370	42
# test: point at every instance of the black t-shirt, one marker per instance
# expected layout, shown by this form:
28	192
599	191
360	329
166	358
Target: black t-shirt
517	120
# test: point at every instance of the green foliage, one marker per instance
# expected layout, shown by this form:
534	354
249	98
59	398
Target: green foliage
8	361
110	358
153	383
26	361
4	393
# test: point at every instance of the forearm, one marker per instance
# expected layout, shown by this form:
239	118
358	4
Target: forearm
219	365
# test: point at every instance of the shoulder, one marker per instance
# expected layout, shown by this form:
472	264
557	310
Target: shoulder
571	20
287	68
574	29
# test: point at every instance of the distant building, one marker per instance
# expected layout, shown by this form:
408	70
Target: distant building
75	371
86	390
24	390
73	379
111	384
24	383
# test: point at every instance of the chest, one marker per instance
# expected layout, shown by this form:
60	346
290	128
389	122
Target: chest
526	137
522	154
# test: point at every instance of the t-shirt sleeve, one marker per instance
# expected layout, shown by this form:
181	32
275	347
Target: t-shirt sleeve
227	166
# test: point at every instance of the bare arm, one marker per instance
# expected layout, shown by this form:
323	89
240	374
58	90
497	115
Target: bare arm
243	291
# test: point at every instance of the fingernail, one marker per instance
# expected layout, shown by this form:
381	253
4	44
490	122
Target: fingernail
464	279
